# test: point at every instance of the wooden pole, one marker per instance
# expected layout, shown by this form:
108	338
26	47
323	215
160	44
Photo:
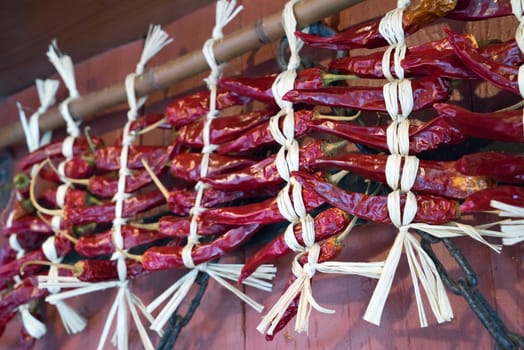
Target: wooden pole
247	39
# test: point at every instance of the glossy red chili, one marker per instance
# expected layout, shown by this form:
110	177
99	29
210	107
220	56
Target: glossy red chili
160	258
426	91
175	226
501	75
366	35
105	213
480	201
442	178
73	198
475	10
222	129
328	223
498	126
54	150
187	165
503	167
260	88
430	209
264	173
434	58
186	110
108	158
264	212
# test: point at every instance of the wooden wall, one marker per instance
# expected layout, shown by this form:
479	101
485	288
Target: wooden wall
222	321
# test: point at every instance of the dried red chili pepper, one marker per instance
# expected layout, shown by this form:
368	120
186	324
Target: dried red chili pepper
265	172
480	201
428	136
430	209
475	10
366	35
23	293
160	258
329	250
508	168
328	223
434	58
108	158
187	109
180	202
499	126
174	226
29	224
260	135
259	88
105	213
265	212
222	129
501	75
426	91
54	149
433	177
102	243
507	52
99	270
73	198
187	165
11	269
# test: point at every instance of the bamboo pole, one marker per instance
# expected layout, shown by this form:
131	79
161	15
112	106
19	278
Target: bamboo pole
265	30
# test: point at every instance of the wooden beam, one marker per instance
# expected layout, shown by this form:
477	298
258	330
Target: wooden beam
247	39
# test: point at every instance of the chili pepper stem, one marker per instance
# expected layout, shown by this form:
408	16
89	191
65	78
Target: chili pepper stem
152	126
513	107
48	263
329	78
68	236
150	226
318	115
135	257
92	147
337	177
21	181
156	180
340	238
32	194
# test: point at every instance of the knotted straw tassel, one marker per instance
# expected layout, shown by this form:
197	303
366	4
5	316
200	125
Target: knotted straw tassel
514	229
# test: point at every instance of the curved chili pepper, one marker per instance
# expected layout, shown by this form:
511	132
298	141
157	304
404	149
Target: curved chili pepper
11	269
264	173
328	223
222	129
29	224
434	58
430	209
108	158
99	270
105	213
173	226
160	258
506	53
23	293
480	201
366	35
265	212
499	126
54	150
433	177
102	243
428	136
329	250
426	91
475	10
502	167
260	88
187	165
260	135
501	75
180	202
187	109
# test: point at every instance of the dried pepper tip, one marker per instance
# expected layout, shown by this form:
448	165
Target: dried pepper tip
89	158
21	181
